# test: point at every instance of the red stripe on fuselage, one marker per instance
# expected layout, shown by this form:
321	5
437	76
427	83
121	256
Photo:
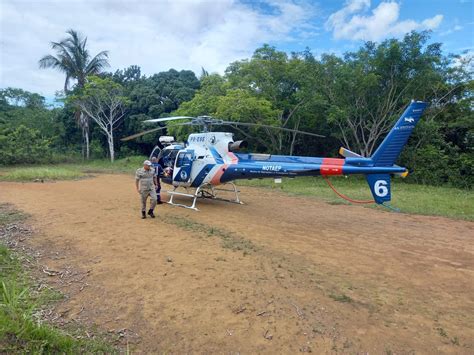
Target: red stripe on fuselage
216	179
331	166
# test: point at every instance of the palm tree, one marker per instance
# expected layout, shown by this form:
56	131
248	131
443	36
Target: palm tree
73	59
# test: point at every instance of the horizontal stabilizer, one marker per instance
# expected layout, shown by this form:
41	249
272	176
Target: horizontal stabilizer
346	153
403	175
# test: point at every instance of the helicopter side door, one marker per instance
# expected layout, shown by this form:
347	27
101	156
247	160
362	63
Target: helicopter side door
155	152
183	166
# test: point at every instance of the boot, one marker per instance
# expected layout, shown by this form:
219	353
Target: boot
150	213
143	215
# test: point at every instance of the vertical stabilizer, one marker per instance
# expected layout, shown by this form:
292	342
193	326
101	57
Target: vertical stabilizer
380	187
389	150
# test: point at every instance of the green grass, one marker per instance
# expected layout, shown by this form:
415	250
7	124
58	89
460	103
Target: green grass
409	198
228	239
41	173
341	298
8	215
21	331
125	165
69	171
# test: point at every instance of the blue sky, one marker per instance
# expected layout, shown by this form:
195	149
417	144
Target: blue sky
186	34
455	29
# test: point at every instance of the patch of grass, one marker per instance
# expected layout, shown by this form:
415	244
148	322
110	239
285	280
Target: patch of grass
228	239
442	332
41	173
9	215
341	298
125	165
21	329
69	171
409	198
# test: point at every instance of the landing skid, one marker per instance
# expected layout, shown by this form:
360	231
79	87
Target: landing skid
204	191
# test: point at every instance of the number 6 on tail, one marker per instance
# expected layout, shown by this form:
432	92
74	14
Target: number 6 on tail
379	186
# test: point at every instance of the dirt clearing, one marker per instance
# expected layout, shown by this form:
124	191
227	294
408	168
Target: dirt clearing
278	274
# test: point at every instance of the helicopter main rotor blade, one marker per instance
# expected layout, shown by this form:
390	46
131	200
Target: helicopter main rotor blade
133	136
248	124
164	119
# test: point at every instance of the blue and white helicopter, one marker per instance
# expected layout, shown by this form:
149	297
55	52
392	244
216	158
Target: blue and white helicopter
210	159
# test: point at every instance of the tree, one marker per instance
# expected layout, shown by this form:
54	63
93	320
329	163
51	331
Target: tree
103	100
283	81
367	90
127	76
269	89
240	106
20	144
74	60
18	97
204	102
153	97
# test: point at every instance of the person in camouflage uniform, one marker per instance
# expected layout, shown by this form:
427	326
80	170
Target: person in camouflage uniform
145	183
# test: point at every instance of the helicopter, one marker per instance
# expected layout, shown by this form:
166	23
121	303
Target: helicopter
208	161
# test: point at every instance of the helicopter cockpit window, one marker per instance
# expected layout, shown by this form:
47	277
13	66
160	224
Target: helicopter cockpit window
184	159
167	157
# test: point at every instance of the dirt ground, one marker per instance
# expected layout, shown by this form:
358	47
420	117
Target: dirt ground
279	274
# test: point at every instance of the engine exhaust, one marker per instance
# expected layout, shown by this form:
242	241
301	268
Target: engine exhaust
238	145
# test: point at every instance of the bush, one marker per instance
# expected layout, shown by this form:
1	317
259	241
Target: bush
23	144
433	165
463	165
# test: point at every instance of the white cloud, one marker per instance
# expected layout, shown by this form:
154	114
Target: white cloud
355	23
455	28
156	35
432	23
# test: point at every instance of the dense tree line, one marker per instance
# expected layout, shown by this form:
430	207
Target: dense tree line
352	99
